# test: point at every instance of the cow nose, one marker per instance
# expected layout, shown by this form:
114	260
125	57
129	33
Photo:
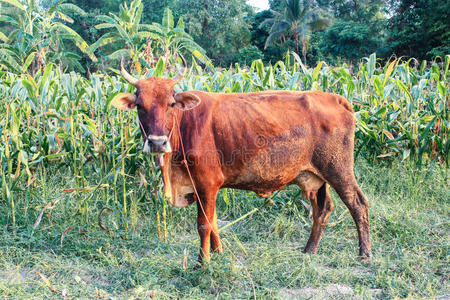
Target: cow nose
157	144
157	140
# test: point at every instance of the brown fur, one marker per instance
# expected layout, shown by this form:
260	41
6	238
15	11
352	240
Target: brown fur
260	142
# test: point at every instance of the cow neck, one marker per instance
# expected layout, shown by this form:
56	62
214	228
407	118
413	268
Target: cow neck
165	162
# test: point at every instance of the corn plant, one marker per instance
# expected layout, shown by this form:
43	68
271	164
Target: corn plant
63	120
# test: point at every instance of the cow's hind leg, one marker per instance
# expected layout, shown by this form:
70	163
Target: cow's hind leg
322	205
357	203
336	167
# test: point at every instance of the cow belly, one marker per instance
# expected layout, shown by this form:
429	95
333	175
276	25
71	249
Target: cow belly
270	170
275	168
264	187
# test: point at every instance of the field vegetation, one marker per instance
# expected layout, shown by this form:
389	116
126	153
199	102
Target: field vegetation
81	209
68	157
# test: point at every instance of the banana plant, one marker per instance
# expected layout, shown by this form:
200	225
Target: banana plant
145	43
172	41
124	32
39	35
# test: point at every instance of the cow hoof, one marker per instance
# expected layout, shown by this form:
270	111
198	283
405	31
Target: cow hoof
364	254
218	250
309	250
311	247
198	266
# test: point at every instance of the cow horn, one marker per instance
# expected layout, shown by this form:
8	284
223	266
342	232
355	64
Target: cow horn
127	76
181	74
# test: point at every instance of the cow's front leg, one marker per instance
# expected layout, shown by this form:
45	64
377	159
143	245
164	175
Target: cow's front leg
216	245
207	223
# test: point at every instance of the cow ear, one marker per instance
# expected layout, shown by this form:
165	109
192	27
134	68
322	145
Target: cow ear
124	101
186	100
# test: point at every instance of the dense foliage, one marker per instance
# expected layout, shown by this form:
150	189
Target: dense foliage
81	35
420	28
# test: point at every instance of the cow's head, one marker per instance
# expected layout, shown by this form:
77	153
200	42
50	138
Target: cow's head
156	102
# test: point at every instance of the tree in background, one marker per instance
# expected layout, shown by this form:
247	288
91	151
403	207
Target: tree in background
420	28
259	34
221	27
299	19
276	5
154	9
248	54
361	11
99	5
348	40
359	29
229	30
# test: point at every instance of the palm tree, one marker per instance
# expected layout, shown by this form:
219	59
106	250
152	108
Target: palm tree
299	19
126	29
37	35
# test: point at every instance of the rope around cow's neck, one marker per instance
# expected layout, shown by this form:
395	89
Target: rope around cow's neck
146	135
142	128
160	157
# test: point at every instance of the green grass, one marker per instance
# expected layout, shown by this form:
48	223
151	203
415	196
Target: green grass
409	213
58	131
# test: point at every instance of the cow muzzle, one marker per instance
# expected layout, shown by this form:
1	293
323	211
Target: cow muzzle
157	144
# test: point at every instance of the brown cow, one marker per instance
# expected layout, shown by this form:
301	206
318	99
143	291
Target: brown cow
260	142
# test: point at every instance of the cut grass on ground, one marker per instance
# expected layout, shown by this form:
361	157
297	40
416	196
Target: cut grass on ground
409	215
